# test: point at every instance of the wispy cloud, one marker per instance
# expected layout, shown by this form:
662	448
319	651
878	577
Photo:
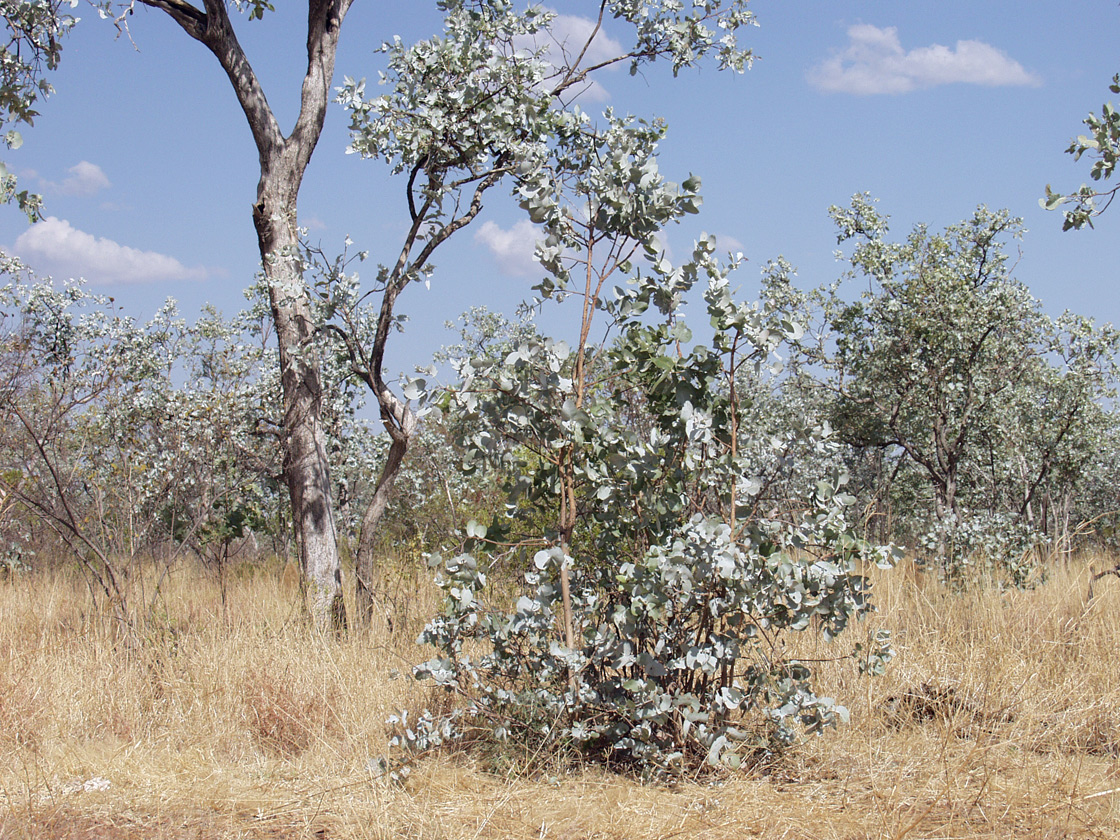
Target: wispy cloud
85	179
563	42
875	62
570	33
726	242
55	247
512	249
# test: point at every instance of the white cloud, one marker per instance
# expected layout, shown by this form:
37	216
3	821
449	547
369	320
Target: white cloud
513	249
728	243
875	62
55	247
562	43
85	179
570	33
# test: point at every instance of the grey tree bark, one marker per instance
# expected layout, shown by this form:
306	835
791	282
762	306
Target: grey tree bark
283	161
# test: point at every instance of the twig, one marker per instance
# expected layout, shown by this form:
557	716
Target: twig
1115	570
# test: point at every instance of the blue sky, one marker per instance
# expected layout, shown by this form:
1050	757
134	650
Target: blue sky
148	169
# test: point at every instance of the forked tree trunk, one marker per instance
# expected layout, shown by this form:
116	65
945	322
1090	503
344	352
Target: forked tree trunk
283	161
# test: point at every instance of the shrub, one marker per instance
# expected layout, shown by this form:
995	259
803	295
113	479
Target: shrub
975	549
651	631
679	662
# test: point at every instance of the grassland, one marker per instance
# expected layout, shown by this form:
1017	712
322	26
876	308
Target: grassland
1000	717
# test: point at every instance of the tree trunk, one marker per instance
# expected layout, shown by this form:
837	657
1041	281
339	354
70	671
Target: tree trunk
305	465
283	161
363	565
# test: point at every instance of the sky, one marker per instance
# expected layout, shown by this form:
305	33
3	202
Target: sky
148	170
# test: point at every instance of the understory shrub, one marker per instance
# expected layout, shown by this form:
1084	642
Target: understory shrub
672	533
973	549
680	658
652	630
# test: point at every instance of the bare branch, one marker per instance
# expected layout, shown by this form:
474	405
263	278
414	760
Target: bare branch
187	16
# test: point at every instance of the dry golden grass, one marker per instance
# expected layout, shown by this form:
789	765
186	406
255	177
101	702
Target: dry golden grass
1000	717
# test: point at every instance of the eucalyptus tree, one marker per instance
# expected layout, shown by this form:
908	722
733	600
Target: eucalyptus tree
949	366
478	109
662	567
434	497
924	356
64	354
120	436
283	161
1102	145
198	436
1093	514
486	101
1055	422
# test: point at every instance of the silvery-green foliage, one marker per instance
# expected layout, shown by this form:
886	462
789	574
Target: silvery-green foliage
1094	510
489	99
947	371
680	608
32	47
337	294
195	435
1102	144
484	91
686	31
16	557
348	322
353	446
62	354
971	549
1041	447
471	86
636	485
433	497
126	435
255	8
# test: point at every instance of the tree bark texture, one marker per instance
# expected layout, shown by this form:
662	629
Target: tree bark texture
364	597
283	161
305	464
